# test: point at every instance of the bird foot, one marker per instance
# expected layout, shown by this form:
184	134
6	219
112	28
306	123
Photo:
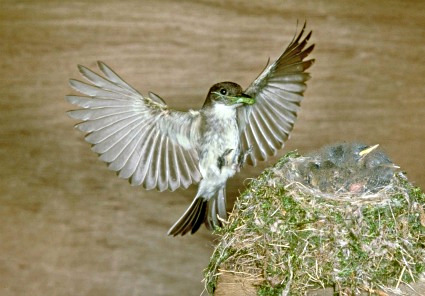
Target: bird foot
242	158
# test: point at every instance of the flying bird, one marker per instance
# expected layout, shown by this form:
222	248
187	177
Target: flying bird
152	145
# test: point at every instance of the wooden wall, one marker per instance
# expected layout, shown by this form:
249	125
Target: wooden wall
70	227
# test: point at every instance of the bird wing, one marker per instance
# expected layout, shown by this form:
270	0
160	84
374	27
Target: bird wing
278	91
139	137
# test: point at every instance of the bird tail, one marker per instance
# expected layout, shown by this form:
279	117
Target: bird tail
192	218
202	210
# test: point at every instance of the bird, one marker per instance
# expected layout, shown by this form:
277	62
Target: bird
150	144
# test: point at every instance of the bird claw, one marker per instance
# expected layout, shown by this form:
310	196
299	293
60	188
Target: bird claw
236	165
241	160
243	156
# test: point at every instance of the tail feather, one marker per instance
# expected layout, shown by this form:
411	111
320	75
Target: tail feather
200	218
211	219
201	210
192	218
216	210
188	220
221	203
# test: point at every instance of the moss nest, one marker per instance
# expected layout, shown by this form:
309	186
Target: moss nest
339	218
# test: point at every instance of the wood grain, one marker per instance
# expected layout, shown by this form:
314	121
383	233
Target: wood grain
229	284
70	227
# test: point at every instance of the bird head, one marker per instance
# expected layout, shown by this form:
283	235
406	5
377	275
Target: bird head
229	94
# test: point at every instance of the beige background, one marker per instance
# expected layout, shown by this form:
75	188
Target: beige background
70	227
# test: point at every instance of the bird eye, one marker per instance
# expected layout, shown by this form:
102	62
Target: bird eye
223	91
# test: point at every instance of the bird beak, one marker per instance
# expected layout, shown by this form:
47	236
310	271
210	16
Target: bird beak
368	150
243	98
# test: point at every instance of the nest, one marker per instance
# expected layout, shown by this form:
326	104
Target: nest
341	218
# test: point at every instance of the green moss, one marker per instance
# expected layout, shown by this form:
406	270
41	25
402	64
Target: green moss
267	290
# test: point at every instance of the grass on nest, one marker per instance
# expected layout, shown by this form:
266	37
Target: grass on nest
287	239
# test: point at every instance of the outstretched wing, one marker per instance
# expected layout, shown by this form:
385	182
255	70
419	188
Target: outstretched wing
278	91
139	137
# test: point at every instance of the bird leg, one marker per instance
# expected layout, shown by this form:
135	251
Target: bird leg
241	159
223	160
235	161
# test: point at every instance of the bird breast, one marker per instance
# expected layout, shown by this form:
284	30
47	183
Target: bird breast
221	135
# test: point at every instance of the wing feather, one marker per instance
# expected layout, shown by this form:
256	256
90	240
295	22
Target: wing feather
278	92
105	84
137	157
174	168
112	76
185	173
94	91
164	169
295	67
267	129
284	98
86	102
121	158
260	131
150	181
139	137
92	114
121	127
142	176
274	121
115	151
253	135
105	145
94	125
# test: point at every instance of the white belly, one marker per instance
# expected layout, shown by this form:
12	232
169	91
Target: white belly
214	150
220	135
